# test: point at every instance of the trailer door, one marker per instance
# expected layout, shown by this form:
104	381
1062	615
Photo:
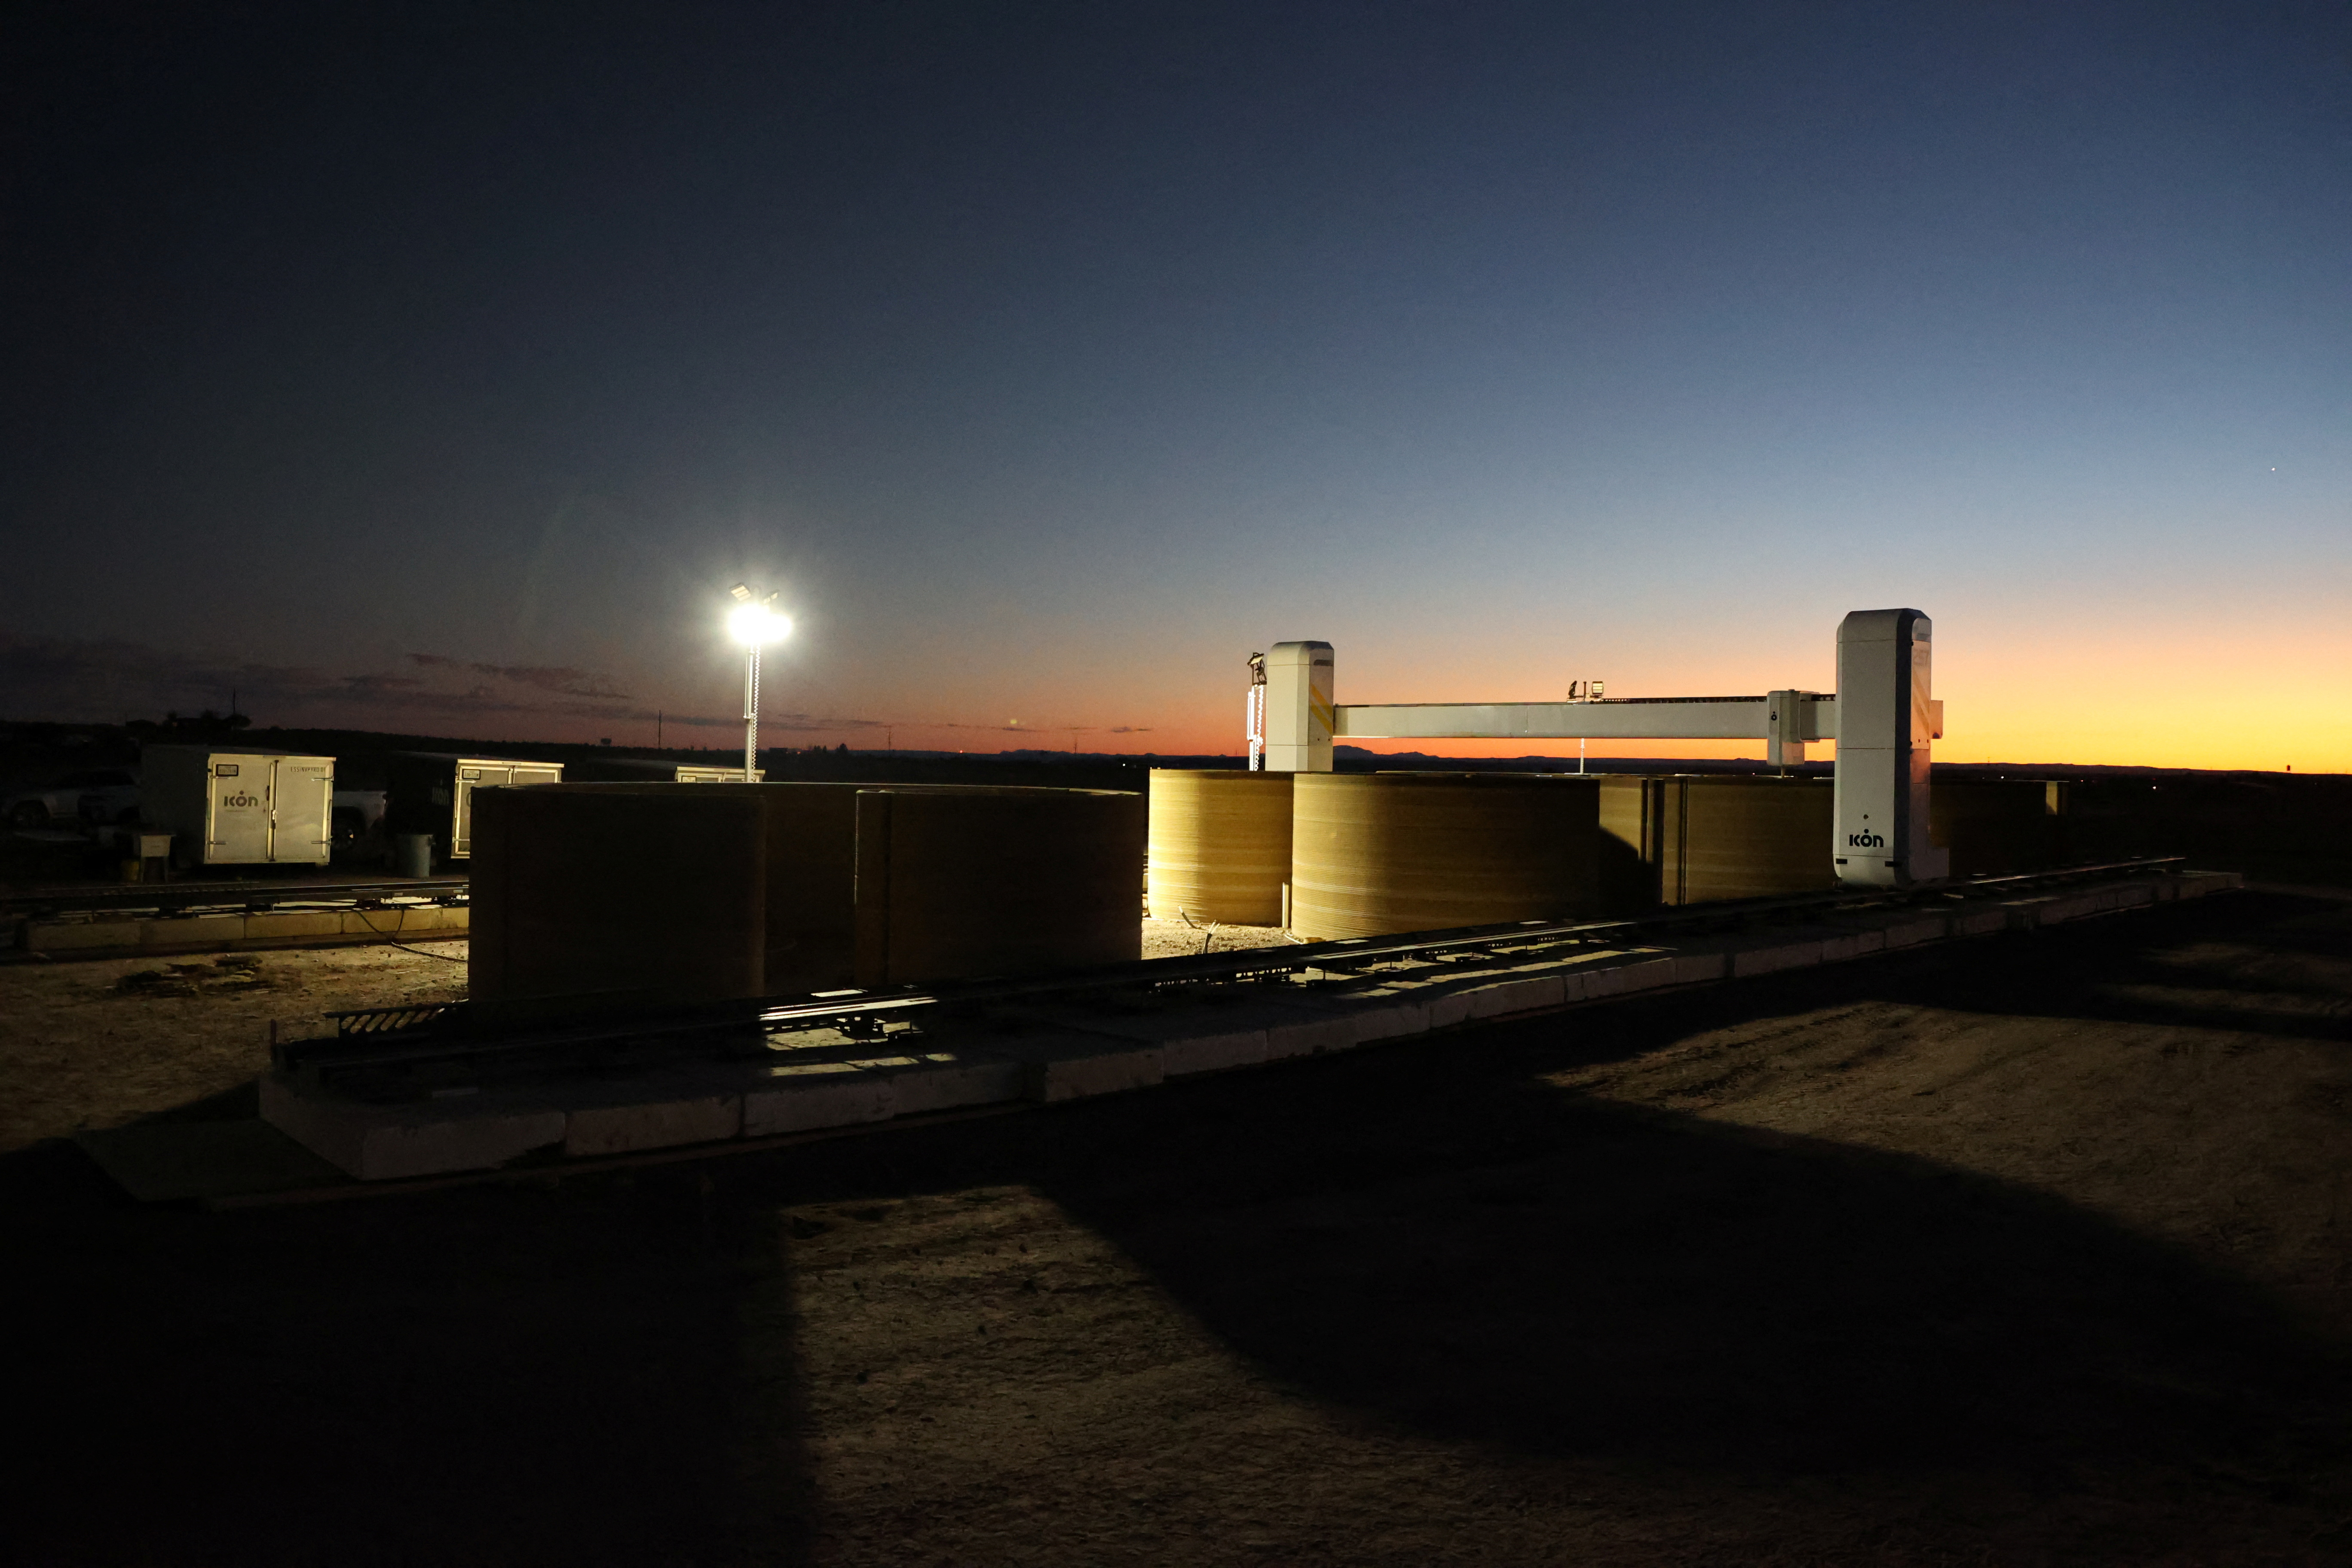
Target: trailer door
302	810
491	776
461	810
237	811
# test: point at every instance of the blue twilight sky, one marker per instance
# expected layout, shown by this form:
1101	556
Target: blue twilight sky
437	366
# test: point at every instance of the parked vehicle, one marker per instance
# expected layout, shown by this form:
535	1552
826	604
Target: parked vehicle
359	820
86	794
239	808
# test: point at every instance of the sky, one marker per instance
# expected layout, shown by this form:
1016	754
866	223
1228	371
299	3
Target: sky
437	367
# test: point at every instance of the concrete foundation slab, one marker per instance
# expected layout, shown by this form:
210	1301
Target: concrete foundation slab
1057	1066
280	926
1644	974
926	1081
1525	994
807	1097
194	930
1770	960
235	933
1306	1023
1910	933
1693	968
1386	1019
1191	1040
381	1143
628	1128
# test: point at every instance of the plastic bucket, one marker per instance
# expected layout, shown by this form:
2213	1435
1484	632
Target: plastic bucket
412	855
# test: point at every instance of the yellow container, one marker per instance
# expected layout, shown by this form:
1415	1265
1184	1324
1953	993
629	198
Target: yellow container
1376	854
1219	845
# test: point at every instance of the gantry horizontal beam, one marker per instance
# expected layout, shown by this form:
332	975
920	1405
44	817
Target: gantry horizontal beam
1611	719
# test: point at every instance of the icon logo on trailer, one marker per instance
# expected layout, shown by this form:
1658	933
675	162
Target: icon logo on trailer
1865	841
240	800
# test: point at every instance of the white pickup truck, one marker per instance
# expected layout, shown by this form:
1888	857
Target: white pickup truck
89	794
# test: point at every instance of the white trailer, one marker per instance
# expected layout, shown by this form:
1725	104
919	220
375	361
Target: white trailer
433	793
1882	717
238	808
690	773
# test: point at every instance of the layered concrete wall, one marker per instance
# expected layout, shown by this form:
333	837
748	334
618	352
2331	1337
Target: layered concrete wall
1373	853
962	883
621	895
659	894
1685	840
1219	845
1690	838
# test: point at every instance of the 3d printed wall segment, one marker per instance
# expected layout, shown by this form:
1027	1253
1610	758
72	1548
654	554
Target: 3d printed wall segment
627	895
1373	853
582	893
807	867
1700	836
956	883
1219	845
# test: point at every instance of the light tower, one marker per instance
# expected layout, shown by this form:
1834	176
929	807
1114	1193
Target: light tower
754	623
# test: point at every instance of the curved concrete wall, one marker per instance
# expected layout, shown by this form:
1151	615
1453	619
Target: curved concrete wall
1219	846
1373	853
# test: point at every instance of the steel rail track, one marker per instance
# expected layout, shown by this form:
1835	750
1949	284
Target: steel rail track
413	1036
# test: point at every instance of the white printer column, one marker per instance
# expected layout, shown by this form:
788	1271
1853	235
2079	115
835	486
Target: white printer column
1298	707
1885	721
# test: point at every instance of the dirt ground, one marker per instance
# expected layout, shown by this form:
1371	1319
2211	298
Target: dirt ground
100	1043
1177	939
97	1043
2029	1250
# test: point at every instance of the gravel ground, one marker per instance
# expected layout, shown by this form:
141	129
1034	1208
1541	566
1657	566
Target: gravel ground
2029	1250
97	1043
1177	939
103	1042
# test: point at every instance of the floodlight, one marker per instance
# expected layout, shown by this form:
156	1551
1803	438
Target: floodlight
753	625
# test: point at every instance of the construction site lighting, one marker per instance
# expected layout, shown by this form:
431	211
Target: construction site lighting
755	625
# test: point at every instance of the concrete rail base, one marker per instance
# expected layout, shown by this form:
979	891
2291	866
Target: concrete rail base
819	1079
140	937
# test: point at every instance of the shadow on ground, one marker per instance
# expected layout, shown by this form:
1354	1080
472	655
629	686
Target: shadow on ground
495	1375
603	1369
1464	1250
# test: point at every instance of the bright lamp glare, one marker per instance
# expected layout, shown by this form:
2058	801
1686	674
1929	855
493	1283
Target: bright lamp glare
752	625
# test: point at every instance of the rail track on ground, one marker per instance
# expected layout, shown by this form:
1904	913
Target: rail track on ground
379	1040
